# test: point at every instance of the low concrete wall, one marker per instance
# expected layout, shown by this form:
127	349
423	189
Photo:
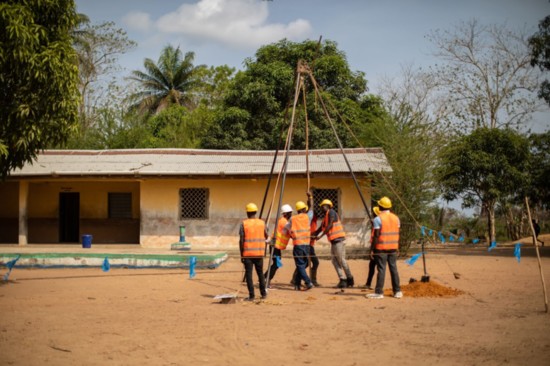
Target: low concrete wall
222	234
111	231
104	231
130	260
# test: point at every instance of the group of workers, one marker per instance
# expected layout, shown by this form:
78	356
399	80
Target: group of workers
302	228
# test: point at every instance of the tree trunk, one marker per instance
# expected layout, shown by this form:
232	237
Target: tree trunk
491	222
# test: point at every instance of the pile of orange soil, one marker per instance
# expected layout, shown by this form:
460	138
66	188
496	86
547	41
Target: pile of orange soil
427	289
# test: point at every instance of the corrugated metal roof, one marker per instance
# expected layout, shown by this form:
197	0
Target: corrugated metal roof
173	162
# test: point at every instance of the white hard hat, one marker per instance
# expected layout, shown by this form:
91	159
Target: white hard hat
286	209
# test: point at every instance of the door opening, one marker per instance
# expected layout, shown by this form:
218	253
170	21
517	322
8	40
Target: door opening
69	217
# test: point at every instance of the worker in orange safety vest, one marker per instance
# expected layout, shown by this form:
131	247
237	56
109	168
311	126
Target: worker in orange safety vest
252	239
385	249
313	261
298	227
372	262
279	242
332	227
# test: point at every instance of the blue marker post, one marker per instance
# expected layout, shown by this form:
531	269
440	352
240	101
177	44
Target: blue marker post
192	264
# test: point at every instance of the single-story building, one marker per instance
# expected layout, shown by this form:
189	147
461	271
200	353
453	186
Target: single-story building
143	196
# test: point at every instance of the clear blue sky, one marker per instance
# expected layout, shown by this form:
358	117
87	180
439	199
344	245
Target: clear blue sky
378	36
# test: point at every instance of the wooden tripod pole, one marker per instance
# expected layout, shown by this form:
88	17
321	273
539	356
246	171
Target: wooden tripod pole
538	254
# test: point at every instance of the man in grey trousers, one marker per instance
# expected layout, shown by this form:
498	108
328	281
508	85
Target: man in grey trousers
333	229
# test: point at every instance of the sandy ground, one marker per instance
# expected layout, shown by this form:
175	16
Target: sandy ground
161	317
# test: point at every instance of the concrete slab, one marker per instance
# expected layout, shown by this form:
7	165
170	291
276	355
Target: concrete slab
130	257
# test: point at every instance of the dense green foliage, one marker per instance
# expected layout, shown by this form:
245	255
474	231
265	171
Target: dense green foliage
540	169
539	44
484	167
169	81
38	78
254	108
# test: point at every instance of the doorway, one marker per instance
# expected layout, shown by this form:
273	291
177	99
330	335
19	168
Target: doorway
69	217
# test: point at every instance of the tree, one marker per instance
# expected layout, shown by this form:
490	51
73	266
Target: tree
485	76
540	169
39	78
98	47
212	85
405	124
169	81
484	167
539	44
254	107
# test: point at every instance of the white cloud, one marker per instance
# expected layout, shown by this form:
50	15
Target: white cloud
238	23
138	20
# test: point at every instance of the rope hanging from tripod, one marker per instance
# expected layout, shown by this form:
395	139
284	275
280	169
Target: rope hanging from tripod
327	115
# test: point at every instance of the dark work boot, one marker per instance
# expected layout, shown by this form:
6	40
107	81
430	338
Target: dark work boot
313	275
350	282
342	284
294	277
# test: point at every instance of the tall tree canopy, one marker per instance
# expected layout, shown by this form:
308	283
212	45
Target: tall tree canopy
255	104
98	47
405	125
38	78
539	44
169	81
540	168
484	167
485	75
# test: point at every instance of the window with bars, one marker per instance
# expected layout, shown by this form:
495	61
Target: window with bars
120	205
194	203
319	194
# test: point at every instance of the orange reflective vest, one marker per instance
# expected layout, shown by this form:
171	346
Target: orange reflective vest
336	231
254	238
389	232
281	238
313	229
300	230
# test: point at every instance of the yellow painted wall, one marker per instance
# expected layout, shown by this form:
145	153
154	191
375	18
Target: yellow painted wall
227	198
44	197
9	198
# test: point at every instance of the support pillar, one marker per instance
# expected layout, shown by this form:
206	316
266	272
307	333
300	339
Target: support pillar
23	209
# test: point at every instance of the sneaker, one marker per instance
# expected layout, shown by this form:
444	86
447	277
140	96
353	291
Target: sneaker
249	299
374	296
308	287
398	295
350	282
342	284
298	288
264	297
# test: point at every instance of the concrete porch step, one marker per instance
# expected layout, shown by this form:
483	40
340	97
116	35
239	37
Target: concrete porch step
134	257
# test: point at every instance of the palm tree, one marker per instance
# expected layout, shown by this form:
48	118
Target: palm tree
169	81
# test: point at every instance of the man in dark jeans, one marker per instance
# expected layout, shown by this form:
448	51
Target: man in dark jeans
299	229
372	262
385	249
252	236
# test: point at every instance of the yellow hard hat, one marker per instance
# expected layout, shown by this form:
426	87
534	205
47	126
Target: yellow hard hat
384	202
300	205
251	207
326	202
376	210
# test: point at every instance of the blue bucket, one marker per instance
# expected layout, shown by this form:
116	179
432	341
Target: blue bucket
86	241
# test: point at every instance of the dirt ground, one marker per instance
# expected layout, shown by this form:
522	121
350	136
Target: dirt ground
161	317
